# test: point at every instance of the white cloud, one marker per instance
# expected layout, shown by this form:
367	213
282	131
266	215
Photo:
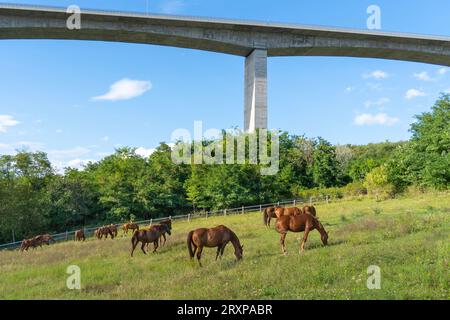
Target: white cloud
59	131
442	71
77	163
69	153
378	103
4	146
125	89
143	152
377	74
7	121
172	6
447	91
375	119
105	138
414	93
349	89
422	76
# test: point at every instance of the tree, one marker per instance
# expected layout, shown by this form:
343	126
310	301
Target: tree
325	167
425	160
376	181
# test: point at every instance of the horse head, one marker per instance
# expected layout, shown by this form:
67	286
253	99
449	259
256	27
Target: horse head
238	252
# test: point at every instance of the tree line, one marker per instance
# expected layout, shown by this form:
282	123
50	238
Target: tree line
35	198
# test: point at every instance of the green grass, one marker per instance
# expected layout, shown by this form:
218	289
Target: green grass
407	238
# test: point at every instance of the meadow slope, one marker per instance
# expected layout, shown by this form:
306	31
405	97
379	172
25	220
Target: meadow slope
407	238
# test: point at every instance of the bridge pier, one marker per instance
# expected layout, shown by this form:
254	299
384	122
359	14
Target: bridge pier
255	91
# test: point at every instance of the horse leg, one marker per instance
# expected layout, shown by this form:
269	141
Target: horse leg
222	250
155	245
143	246
283	246
164	235
133	246
199	255
305	237
218	252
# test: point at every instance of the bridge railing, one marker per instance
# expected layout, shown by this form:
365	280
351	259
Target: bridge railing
89	231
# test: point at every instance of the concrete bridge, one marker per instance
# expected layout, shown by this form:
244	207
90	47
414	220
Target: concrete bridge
256	41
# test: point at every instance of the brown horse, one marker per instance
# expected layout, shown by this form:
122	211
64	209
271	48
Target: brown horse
211	238
268	214
304	222
104	231
130	226
36	241
79	235
148	236
167	223
113	229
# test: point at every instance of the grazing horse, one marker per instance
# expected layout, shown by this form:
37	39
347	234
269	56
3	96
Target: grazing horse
79	235
268	214
130	226
113	229
304	222
211	238
148	236
36	241
104	231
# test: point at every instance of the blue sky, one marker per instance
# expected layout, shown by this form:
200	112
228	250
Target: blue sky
47	87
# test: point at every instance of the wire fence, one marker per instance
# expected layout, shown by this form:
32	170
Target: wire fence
89	231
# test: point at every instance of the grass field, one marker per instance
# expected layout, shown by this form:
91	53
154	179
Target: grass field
407	238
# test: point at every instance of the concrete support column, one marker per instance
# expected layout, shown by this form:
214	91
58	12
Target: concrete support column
255	95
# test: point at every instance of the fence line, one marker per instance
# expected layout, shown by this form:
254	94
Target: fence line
69	235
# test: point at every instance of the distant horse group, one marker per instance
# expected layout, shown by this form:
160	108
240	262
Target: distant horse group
287	220
104	231
36	241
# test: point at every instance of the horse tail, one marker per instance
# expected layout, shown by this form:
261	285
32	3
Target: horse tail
134	238
265	216
189	244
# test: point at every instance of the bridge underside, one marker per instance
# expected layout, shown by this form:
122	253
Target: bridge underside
253	40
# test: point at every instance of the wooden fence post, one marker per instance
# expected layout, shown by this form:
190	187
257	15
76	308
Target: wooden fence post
260	208
189	217
13	236
67	235
243	210
206	214
294	203
310	201
224	212
151	222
